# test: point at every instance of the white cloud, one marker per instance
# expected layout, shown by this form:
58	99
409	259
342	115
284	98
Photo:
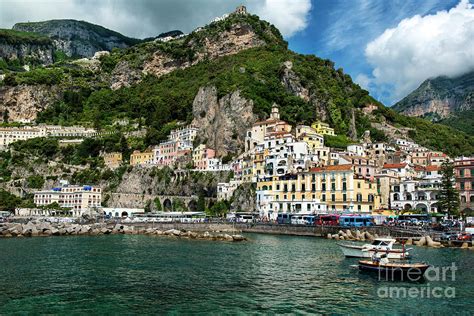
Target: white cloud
422	47
289	16
363	80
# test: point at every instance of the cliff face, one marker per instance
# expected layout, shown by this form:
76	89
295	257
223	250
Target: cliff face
440	97
222	122
25	47
142	184
23	103
238	37
77	38
39	52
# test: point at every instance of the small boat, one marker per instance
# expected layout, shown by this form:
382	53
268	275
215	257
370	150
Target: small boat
378	246
392	271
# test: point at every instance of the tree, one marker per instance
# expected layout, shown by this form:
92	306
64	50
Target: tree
178	205
201	203
220	208
449	197
8	201
148	206
158	206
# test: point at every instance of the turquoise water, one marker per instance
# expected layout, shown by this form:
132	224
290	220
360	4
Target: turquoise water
147	275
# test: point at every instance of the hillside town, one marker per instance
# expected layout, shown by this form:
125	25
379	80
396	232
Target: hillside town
291	170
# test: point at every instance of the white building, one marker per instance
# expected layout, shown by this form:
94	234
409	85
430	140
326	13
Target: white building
225	190
121	211
420	194
78	198
9	135
357	150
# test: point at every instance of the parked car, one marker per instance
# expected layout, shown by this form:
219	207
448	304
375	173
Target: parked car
449	236
465	237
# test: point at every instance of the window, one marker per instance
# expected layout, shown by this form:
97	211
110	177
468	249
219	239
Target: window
292	196
359	207
278	187
333	186
461	185
285	187
323	187
344	186
303	187
333	197
313	187
323	198
344	197
359	197
293	187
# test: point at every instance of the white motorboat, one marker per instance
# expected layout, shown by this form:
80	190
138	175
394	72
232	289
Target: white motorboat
379	246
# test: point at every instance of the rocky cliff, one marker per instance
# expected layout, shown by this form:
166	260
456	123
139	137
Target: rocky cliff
440	98
77	38
26	48
23	103
222	122
198	47
142	184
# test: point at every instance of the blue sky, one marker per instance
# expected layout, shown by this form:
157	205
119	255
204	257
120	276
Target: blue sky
389	47
340	30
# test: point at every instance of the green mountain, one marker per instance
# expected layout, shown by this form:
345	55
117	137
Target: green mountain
77	38
223	76
445	100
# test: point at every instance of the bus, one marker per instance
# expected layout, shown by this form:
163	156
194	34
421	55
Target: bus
414	218
171	217
284	218
303	219
356	220
329	220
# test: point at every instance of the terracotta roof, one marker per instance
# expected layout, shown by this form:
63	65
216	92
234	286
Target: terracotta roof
419	168
394	165
431	168
332	168
266	122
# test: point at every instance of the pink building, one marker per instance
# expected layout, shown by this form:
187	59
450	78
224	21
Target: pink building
202	156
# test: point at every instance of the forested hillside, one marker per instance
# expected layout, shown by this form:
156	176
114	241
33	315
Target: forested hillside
155	83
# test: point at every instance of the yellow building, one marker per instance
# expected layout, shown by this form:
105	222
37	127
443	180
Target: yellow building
141	158
320	190
248	174
323	128
113	160
310	136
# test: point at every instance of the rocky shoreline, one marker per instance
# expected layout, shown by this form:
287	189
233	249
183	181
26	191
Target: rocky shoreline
425	241
45	229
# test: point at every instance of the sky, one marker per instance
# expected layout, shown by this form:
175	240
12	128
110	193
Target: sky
389	47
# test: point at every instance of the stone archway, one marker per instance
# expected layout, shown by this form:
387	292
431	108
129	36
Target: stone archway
422	207
167	205
434	207
192	206
407	207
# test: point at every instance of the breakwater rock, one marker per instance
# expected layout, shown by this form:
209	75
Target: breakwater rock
349	235
36	229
